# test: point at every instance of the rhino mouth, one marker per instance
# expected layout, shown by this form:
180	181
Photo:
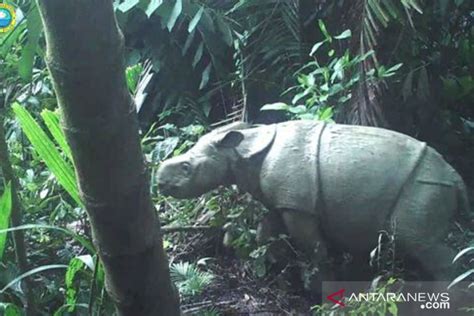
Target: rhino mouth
168	189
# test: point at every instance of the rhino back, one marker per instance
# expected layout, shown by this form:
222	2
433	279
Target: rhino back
363	172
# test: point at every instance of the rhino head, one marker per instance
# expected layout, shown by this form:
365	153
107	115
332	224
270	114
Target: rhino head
211	161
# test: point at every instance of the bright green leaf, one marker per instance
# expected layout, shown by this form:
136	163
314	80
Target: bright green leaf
28	52
62	170
323	29
51	119
5	212
9	309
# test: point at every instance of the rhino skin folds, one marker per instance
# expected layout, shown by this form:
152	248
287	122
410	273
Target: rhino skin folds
331	183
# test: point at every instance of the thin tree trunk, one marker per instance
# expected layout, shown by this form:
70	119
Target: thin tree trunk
16	218
85	52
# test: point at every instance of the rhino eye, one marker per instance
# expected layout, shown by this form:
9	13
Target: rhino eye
186	167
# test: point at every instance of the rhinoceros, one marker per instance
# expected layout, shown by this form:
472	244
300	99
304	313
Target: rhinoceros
332	184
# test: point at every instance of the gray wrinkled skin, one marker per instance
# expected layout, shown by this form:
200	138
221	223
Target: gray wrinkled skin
332	184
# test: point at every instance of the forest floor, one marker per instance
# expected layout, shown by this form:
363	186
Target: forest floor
235	290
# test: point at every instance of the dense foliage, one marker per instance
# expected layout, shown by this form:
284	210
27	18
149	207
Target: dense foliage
192	65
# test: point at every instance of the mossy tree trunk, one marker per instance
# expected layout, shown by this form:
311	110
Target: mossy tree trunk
85	56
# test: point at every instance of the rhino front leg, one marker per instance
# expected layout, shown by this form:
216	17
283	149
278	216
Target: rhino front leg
304	230
269	230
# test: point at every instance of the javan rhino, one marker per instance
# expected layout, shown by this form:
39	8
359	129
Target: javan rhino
332	184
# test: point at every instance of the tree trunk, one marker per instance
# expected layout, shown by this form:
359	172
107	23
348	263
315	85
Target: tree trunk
85	51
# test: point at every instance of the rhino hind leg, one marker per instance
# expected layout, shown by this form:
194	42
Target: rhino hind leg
421	220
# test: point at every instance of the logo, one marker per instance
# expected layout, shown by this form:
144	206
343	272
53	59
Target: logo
427	296
7	18
338	294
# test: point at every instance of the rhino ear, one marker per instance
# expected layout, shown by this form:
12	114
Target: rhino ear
255	140
231	139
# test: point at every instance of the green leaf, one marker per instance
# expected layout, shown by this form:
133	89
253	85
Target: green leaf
51	119
46	149
343	35
462	252
323	29
152	7
225	30
461	277
177	9
83	241
9	309
132	75
392	308
326	114
5	212
278	106
28	52
316	47
205	76
198	55
194	22
75	265
394	68
127	5
188	43
299	109
31	272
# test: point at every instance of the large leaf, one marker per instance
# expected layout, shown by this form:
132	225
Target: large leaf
83	241
195	20
5	211
9	309
205	76
278	106
152	6
31	272
343	35
28	52
51	120
177	9
62	170
128	5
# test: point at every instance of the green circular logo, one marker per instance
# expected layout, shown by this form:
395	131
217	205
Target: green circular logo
7	17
